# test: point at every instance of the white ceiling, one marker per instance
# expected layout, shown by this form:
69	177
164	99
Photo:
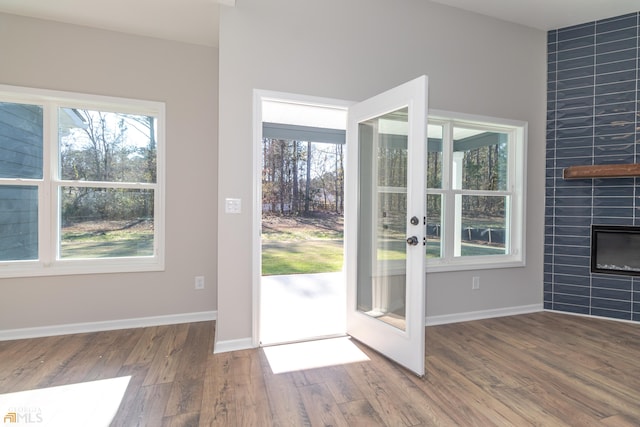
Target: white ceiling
547	14
189	21
196	21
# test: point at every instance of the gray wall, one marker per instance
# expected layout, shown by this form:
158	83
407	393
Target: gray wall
355	49
50	55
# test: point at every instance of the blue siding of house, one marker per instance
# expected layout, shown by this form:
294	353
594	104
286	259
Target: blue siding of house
21	146
593	105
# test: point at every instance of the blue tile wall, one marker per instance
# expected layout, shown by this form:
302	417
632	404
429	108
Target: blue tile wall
593	117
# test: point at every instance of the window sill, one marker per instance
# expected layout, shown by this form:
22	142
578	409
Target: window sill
473	264
66	268
397	268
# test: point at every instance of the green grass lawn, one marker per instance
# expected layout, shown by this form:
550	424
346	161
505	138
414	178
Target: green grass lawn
326	255
433	250
293	245
473	250
110	244
301	256
302	245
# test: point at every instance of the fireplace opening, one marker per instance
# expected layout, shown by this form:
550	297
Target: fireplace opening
615	250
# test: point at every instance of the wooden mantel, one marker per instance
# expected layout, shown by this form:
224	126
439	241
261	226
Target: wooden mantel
628	170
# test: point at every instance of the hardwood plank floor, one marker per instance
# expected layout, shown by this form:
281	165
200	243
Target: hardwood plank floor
543	369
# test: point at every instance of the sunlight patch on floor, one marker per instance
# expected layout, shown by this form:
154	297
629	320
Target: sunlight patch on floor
301	306
313	354
93	403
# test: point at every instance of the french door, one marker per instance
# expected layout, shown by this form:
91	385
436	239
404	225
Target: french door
385	231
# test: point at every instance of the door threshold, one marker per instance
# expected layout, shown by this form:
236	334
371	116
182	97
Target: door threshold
318	338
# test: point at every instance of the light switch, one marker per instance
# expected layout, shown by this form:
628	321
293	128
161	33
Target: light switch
232	206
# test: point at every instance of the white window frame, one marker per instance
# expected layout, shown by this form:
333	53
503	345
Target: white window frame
515	192
49	262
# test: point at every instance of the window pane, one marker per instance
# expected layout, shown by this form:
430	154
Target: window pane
20	141
18	223
484	225
104	146
106	223
480	160
434	225
434	156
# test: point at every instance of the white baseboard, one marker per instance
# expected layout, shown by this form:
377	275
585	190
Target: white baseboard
247	343
483	314
109	325
232	345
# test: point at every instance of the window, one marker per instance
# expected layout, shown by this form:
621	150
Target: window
475	192
81	183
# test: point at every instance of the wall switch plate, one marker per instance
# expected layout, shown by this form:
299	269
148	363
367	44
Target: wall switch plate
199	282
475	283
232	206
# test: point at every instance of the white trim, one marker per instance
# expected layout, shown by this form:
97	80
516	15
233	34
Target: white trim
483	314
260	95
515	214
233	345
256	213
109	325
477	119
475	263
49	262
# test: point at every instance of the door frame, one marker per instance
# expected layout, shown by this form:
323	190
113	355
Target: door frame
260	95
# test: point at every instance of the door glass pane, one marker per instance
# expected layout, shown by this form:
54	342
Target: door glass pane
480	160
484	225
18	223
106	222
381	283
20	141
391	227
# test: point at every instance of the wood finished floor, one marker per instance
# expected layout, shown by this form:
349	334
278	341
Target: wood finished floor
543	369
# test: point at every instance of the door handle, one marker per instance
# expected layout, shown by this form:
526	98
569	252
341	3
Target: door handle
413	241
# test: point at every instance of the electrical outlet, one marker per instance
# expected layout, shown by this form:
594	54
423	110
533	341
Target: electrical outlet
199	282
475	283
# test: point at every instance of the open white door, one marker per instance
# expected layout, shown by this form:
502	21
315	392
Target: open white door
385	231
